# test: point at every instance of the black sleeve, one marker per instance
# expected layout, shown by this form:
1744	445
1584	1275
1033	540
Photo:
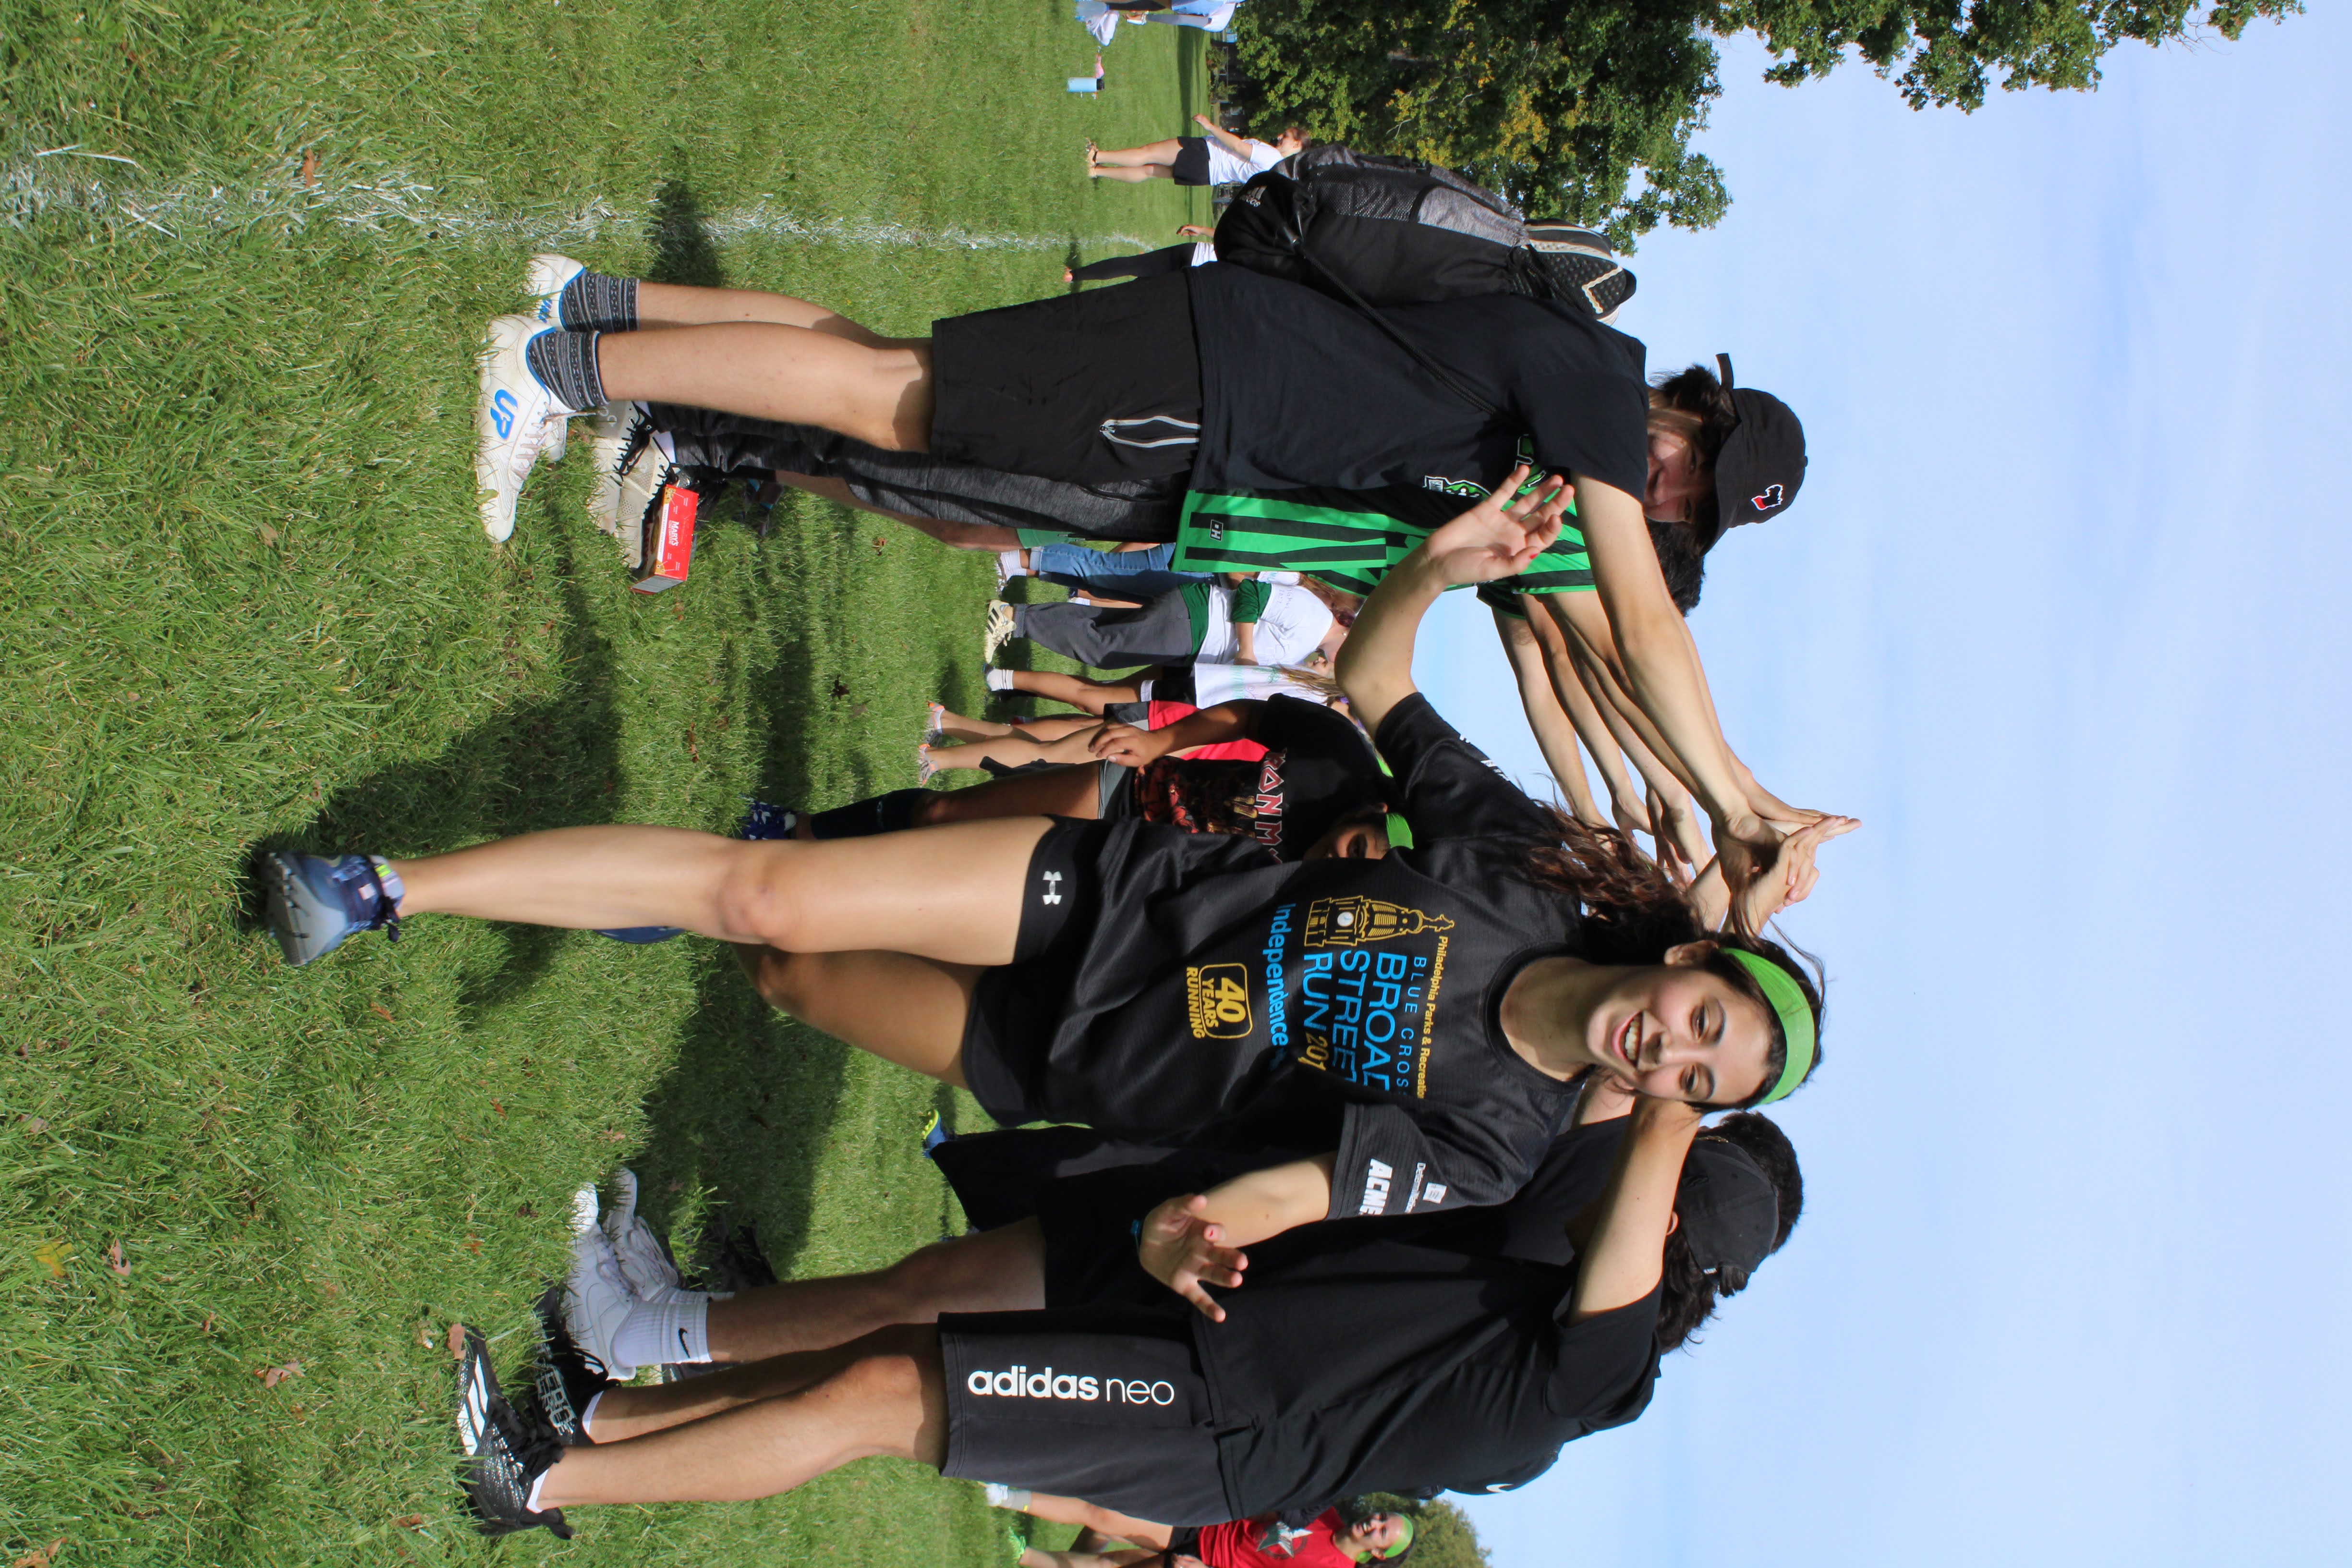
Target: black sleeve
1395	1162
1605	1367
1450	790
1174	258
1283	721
1503	596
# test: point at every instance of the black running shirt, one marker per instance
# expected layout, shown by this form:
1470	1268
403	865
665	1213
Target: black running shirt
1335	1004
1298	388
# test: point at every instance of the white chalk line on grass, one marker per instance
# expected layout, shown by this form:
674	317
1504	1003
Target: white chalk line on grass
67	182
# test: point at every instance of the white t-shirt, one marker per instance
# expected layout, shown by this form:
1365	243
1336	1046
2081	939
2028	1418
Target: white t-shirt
1215	683
1224	169
1293	623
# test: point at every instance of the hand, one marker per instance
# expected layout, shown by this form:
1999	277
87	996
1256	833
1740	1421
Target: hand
1500	535
1193	231
1792	876
1664	1118
1204	122
1181	1250
1127	745
1629	817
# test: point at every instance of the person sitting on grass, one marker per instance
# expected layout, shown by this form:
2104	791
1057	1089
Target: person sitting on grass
1235	379
1219	158
1155	984
1472	1374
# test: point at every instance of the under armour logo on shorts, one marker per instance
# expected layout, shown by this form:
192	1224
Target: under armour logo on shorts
1052	894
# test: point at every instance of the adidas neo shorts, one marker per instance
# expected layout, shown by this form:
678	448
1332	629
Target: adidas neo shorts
1105	1406
1088	388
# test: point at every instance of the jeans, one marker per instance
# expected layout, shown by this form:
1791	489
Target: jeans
1123	575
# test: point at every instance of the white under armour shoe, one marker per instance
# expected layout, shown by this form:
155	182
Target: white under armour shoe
645	1262
596	1297
543	280
512	422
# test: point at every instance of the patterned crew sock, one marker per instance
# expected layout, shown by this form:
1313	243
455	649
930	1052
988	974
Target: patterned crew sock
598	302
565	364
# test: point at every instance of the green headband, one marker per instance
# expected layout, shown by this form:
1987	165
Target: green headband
1796	1019
1412	1528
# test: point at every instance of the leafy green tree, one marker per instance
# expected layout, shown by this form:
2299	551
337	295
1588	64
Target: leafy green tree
1586	108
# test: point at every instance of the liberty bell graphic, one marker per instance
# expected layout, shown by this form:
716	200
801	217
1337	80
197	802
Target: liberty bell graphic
1354	920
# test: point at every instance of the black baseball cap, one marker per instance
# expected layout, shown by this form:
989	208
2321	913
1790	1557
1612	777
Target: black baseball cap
1729	1211
1760	467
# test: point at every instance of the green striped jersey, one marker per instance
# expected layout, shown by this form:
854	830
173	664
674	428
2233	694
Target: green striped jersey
1349	539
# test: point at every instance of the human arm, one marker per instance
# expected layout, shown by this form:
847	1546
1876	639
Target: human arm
1623	1259
1137	748
1238	146
1244	642
1556	737
1191	1240
1493	539
1568	690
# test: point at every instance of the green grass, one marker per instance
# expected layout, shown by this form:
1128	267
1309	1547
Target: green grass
247	603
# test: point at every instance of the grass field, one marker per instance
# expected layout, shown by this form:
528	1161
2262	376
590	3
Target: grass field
245	256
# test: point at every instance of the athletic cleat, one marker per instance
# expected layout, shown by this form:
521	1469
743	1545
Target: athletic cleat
512	421
762	822
935	1132
596	1297
567	1378
645	1262
505	1454
316	903
619	434
999	632
543	280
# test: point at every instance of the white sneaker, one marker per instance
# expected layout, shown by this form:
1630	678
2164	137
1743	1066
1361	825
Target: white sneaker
645	1262
543	281
596	1297
999	631
512	421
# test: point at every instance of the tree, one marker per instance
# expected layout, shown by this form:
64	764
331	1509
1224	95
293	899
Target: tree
1586	108
1443	1536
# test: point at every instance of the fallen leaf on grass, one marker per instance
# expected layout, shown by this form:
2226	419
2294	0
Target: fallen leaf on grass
474	1245
497	1107
41	1556
52	1255
409	1522
271	1376
381	1011
457	1342
114	1259
36	1123
206	1326
269	534
878	542
311	168
615	1136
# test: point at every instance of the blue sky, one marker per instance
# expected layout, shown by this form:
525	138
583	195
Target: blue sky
2057	615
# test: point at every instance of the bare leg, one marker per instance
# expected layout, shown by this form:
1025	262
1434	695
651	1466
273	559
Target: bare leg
889	1401
1080	693
1014	750
965	728
677	305
950	893
957	535
880	396
1136	157
1065	792
1133	177
1001	1271
909	1011
1102	1522
1123	1557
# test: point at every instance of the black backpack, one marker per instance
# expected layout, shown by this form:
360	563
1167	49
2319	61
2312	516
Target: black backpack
1399	231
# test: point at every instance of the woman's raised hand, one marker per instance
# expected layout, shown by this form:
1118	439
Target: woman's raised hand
1127	745
1181	1251
1788	877
1502	534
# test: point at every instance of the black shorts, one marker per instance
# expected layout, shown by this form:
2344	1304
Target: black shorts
1088	1220
1016	1005
1105	1404
1192	160
1088	388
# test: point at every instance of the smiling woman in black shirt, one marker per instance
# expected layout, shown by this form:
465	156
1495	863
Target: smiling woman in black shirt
1414	1024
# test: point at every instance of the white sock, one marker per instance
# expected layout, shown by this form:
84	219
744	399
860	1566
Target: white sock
588	1417
1009	562
531	1499
658	1331
1000	681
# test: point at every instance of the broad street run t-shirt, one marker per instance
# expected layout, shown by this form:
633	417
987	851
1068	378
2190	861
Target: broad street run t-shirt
1317	770
1333	1004
1298	388
1348	1365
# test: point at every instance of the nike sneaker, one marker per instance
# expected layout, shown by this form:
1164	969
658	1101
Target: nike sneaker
316	903
645	1263
504	1454
596	1297
512	421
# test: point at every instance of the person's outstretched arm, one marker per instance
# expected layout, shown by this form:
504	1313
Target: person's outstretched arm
1236	145
1569	690
1555	733
1135	748
1624	1258
1197	1240
1496	538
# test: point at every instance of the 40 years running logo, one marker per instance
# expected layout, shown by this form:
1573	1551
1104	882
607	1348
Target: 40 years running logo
1020	1382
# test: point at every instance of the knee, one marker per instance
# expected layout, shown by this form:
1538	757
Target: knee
755	900
790	981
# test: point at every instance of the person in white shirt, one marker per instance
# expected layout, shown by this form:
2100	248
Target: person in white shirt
1219	158
1251	621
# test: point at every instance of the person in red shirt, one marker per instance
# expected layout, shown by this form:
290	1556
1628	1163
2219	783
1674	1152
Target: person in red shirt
1325	1541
